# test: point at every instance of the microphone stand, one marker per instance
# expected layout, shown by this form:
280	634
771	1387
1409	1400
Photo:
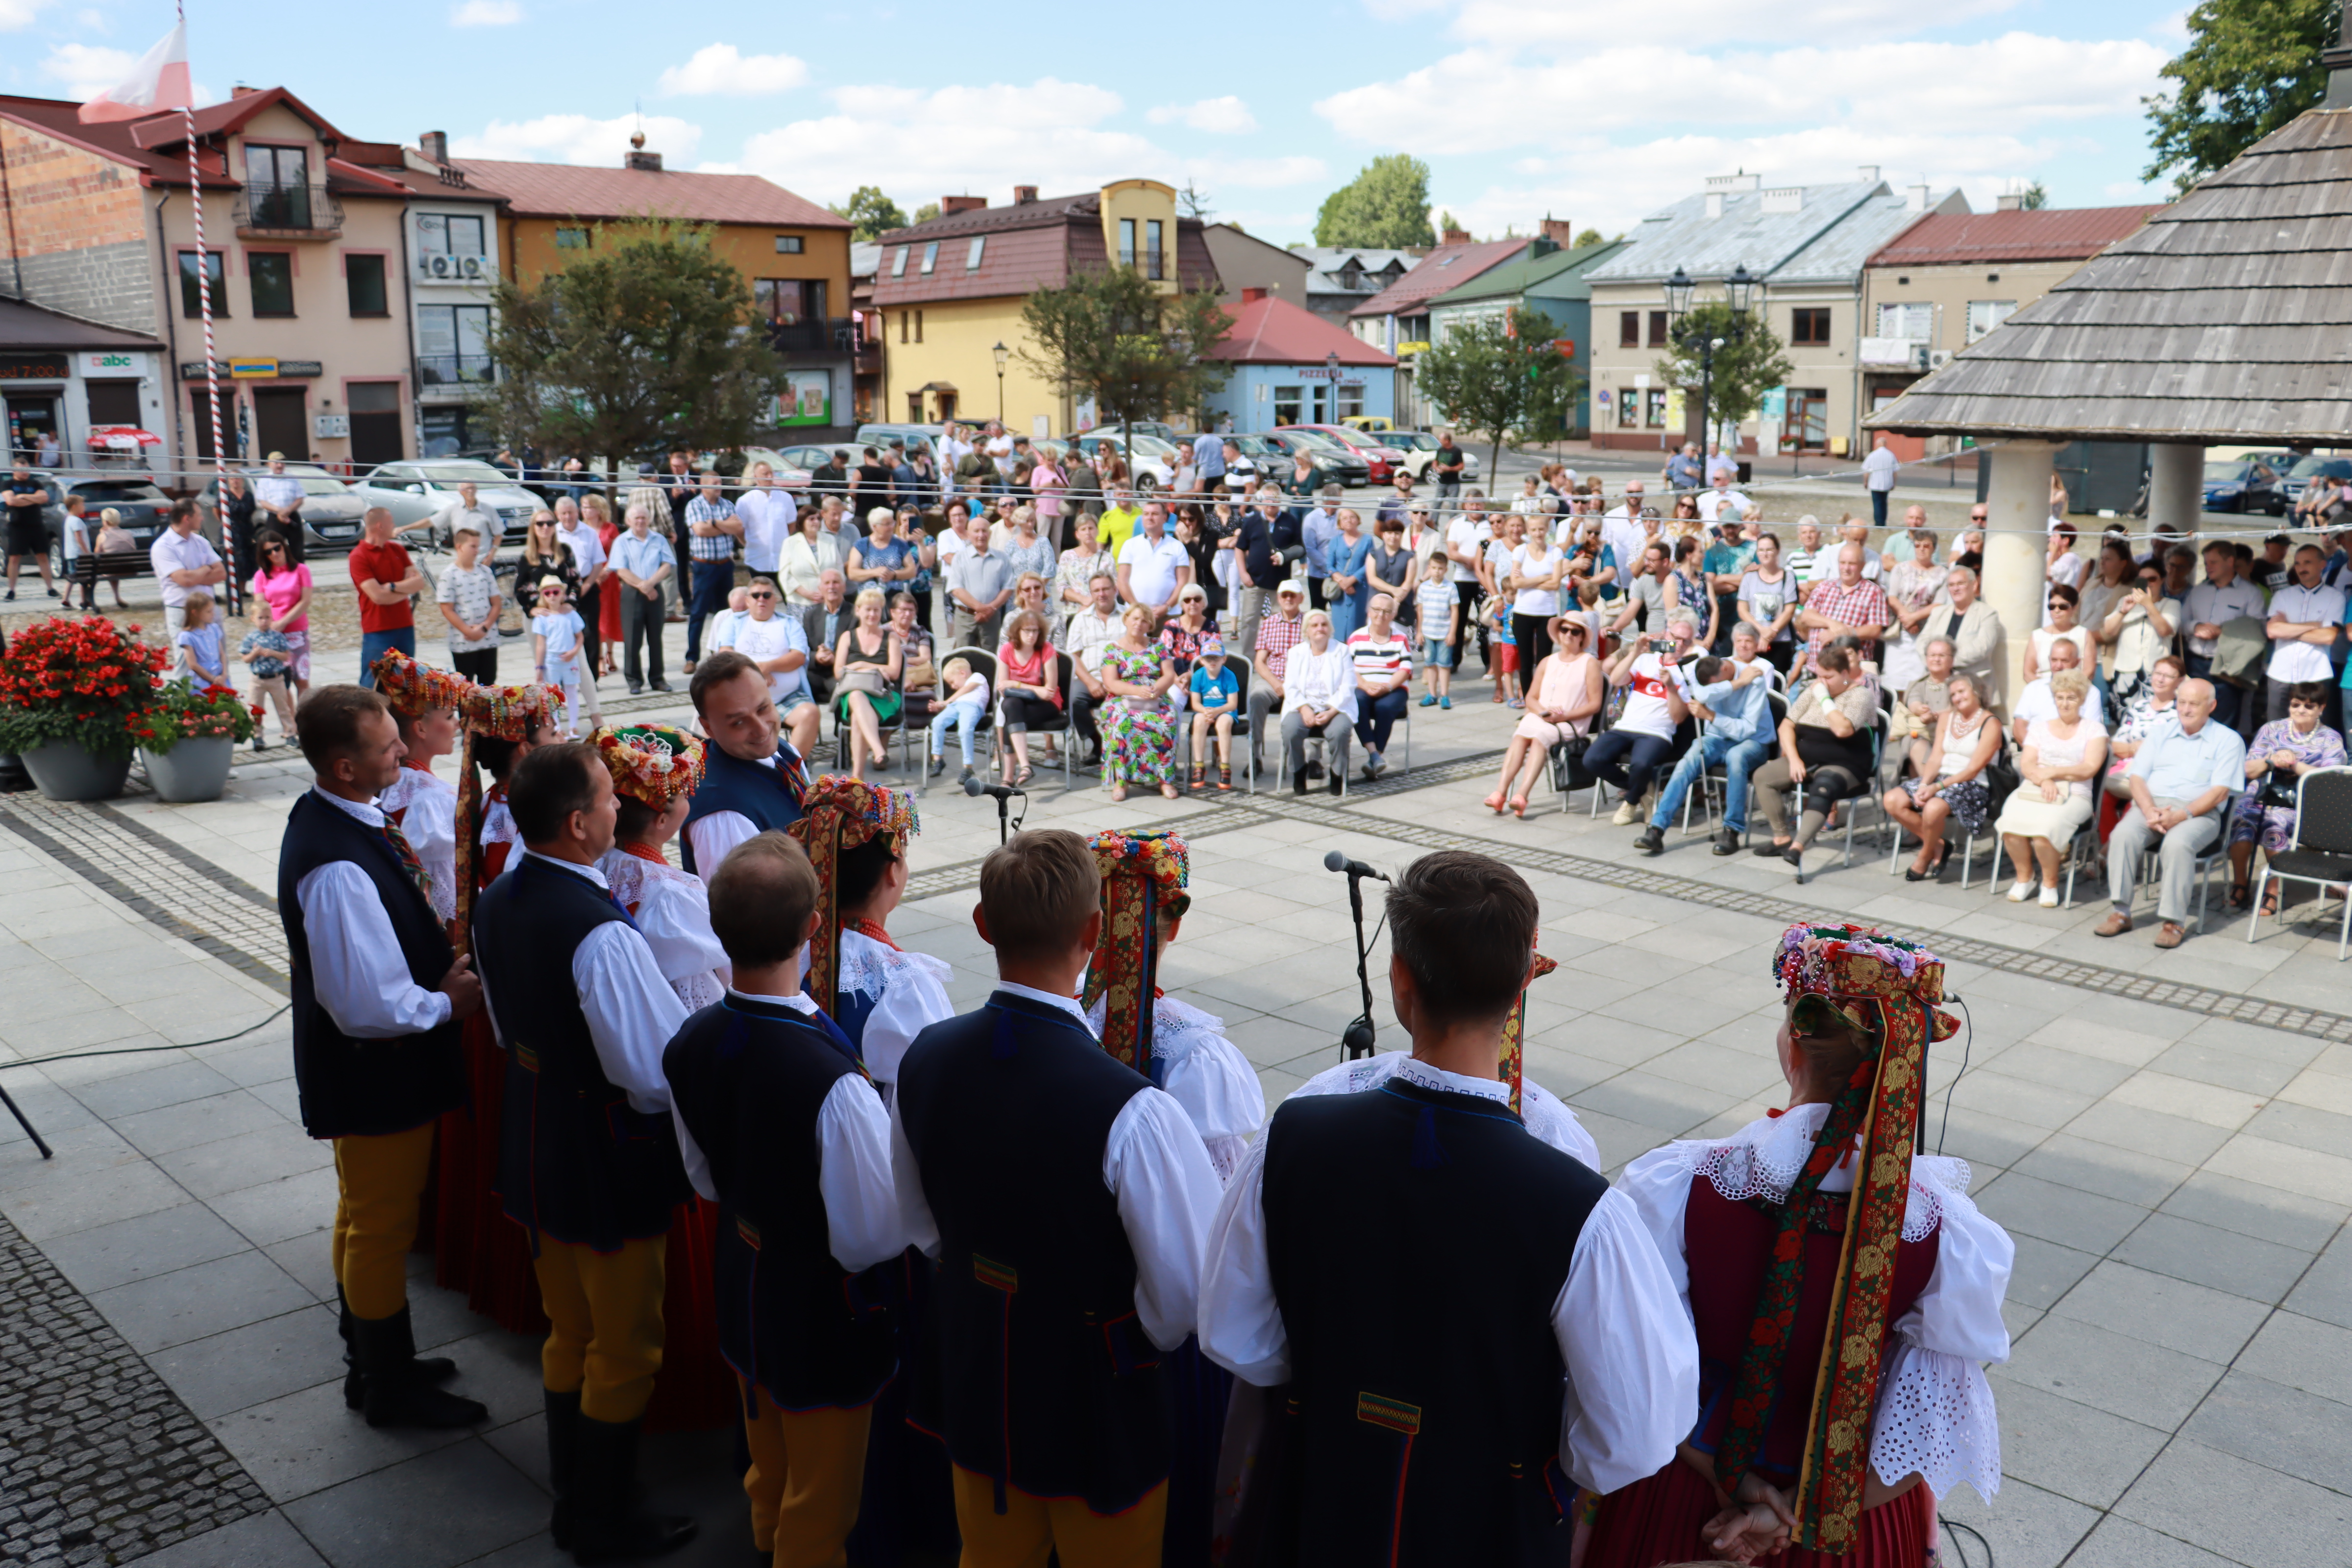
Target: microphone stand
1356	1039
30	1131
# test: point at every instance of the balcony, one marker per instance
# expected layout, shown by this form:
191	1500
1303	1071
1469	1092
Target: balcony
287	212
816	335
455	370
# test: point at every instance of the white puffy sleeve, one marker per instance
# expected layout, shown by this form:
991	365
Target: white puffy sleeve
674	915
430	824
914	997
1208	1077
1631	1390
1935	1406
1550	1118
1658	1185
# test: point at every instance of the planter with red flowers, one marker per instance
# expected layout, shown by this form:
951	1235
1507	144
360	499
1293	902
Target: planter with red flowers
74	699
189	738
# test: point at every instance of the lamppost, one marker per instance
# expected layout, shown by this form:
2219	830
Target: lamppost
1331	408
1740	289
1001	354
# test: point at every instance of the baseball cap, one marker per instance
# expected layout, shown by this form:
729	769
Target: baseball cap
275	457
1292	585
1212	647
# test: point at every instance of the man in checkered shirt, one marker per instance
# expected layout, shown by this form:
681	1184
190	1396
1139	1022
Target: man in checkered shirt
1277	633
1847	604
713	528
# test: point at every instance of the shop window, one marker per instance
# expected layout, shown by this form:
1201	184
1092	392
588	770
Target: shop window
1657	419
1288	403
1629	406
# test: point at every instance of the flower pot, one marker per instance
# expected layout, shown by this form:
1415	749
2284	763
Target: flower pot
63	771
192	770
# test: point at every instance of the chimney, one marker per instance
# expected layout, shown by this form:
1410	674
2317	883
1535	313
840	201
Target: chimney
1252	296
1560	232
1024	195
241	91
1715	203
435	144
638	158
1454	237
1869	172
950	205
1915	199
2014	203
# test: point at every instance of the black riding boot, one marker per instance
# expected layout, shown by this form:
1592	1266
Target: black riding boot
563	1458
608	1524
391	1392
426	1369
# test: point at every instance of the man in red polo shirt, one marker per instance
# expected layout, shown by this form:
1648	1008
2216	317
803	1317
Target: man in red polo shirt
385	577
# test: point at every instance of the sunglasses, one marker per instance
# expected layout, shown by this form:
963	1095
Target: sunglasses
550	592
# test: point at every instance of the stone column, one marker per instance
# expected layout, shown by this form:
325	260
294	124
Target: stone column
2176	487
2016	553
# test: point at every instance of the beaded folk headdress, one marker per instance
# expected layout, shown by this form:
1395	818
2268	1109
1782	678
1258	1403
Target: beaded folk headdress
651	764
840	814
413	689
1143	877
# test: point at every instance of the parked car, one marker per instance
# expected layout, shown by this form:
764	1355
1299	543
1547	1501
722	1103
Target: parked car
791	475
1339	465
2255	482
1419	450
1158	429
413	493
53	515
146	511
1381	461
1151	458
2299	478
331	510
879	438
1371	423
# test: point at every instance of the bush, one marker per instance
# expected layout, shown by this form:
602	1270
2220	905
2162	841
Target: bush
84	682
186	711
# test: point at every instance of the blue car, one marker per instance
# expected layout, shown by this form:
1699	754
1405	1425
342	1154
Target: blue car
2254	483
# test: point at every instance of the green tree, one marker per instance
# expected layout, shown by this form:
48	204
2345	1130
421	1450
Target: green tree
1115	337
1386	208
1446	224
1745	367
2250	66
1502	377
927	211
871	212
649	342
2035	197
1589	237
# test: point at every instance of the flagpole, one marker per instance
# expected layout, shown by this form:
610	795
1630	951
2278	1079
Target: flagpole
211	366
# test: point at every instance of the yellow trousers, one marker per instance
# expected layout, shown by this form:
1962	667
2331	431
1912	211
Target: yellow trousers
1032	1527
604	1317
808	1470
379	1188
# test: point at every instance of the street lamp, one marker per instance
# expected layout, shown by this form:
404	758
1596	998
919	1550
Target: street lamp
1739	289
1001	354
1331	364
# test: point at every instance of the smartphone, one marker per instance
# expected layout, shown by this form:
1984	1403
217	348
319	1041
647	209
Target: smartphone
1661	644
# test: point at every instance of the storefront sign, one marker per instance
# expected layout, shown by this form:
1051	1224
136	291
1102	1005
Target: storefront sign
807	398
115	362
34	367
253	369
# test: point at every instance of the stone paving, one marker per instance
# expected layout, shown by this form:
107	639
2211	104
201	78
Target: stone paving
2178	1178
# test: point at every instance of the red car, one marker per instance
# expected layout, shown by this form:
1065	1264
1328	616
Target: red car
1382	460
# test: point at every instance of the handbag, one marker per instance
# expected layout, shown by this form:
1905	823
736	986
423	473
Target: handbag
1569	772
870	681
2000	778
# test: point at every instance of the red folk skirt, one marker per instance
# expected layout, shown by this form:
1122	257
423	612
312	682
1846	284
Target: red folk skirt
1657	1521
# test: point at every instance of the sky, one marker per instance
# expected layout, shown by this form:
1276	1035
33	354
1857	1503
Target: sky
1579	110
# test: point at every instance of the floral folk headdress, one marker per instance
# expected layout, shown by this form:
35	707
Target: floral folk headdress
650	763
839	814
500	712
1143	876
414	688
1886	991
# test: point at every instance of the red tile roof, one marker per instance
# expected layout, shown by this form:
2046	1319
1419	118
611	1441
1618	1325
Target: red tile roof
1275	332
1029	246
2046	234
573	190
157	145
1447	266
60	119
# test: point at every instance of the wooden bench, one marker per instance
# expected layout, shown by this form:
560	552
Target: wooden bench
113	566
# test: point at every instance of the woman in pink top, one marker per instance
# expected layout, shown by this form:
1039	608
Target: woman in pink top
283	584
1046	484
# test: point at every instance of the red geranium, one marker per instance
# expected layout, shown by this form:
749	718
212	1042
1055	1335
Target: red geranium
82	682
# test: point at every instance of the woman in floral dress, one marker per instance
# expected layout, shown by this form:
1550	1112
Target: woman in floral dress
2282	749
1142	730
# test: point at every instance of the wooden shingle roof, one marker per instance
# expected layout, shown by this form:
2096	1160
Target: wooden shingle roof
2226	319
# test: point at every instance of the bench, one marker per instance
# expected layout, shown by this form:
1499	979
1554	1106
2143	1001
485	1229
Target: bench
113	566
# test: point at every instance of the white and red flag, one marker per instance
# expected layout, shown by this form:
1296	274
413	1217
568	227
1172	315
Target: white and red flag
159	82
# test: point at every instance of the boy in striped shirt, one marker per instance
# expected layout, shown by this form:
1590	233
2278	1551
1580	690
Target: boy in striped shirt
1440	613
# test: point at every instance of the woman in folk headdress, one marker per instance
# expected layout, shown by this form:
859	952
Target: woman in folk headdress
654	771
424	703
1820	1220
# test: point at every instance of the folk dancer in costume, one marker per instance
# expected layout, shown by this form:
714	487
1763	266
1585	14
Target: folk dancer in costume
1547	1352
589	1160
371	964
424	703
1065	1199
1815	1221
857	836
783	1130
753	779
1175	1045
654	770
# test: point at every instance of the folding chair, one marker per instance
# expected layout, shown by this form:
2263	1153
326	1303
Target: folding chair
2321	851
1854	804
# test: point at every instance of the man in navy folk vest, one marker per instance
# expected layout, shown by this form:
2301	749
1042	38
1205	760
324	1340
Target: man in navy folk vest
1067	1200
786	1133
588	1158
377	996
752	780
1456	1312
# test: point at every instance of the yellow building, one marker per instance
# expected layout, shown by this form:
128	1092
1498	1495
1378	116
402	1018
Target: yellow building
795	253
950	292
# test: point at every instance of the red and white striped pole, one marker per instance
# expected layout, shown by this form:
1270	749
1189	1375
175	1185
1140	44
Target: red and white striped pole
211	366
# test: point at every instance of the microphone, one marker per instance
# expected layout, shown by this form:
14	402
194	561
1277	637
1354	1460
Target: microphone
1336	861
975	788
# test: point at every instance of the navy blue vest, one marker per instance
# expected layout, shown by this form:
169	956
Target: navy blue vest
1417	1239
352	1087
1050	1384
750	1079
754	790
574	1160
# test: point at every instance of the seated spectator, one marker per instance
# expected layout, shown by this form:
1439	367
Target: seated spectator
2282	750
1383	661
1767	600
1142	743
1318	692
1182	637
1564	693
1028	690
966	706
1216	694
1920	705
1951	788
2180	780
1845	604
1913	588
1972	626
1277	633
2035	702
2060	625
2150	708
2053	799
1825	751
1642	740
1735	699
1090	631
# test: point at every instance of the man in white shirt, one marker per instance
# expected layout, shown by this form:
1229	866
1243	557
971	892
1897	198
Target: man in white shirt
1621	531
1721	464
1467	538
1878	473
183	561
999	448
1152	567
2306	615
1720	495
1853	530
1090	631
279	494
464	507
778	645
2223	597
769	516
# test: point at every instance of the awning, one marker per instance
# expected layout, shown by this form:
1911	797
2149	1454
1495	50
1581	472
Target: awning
122	438
937	387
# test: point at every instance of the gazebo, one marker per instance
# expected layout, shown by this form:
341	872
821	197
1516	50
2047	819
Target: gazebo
2226	319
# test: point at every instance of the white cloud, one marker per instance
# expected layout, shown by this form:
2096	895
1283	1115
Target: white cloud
1582	25
16	15
722	69
486	14
1214	174
84	70
576	138
1226	116
916	143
